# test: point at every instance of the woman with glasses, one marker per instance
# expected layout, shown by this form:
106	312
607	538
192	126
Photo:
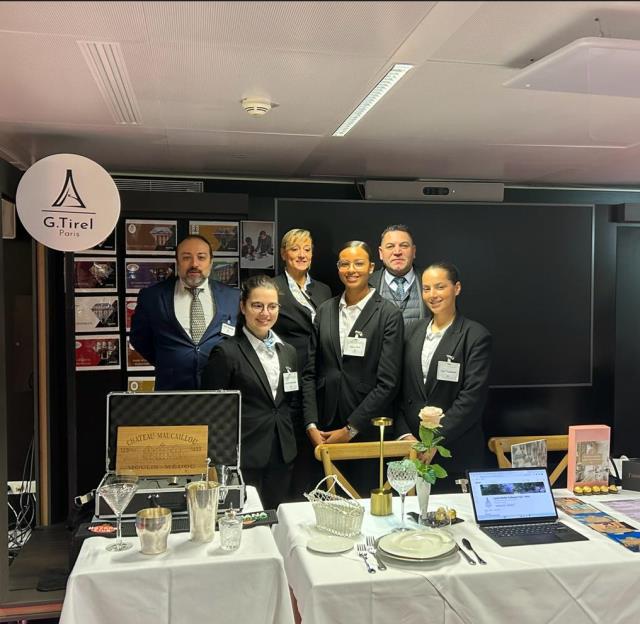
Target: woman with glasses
264	368
300	297
447	359
355	357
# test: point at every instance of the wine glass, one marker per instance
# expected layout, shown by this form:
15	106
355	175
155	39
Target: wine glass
117	490
402	477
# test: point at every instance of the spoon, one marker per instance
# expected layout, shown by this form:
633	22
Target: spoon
467	544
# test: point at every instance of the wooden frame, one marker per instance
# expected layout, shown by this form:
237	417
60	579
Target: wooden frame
328	453
501	445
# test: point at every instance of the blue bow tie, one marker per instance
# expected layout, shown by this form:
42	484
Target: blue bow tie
270	341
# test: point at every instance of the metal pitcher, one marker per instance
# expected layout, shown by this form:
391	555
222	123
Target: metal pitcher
202	503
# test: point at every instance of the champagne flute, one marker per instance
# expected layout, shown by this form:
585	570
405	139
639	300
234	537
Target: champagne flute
117	490
402	477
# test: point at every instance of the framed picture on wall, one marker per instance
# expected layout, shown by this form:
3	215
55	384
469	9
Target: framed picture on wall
106	247
96	314
151	237
256	249
130	304
141	384
94	274
226	270
135	361
143	272
97	352
223	235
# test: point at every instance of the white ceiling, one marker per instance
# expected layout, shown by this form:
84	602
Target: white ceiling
190	64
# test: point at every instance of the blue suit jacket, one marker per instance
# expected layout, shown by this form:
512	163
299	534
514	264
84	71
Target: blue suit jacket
158	336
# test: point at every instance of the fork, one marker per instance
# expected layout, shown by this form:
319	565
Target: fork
362	553
371	547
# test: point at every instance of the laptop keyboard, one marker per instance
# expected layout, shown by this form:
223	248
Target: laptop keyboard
544	528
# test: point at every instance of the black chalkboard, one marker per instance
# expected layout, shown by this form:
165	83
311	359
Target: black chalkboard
526	272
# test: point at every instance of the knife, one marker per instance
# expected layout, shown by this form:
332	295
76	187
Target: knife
470	561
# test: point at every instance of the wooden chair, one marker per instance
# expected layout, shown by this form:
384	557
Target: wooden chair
328	453
502	445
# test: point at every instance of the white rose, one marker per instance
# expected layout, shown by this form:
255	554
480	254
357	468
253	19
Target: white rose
430	417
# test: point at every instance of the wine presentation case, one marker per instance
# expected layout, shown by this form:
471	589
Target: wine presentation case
219	409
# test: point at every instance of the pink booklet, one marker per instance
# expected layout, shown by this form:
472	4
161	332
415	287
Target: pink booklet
588	455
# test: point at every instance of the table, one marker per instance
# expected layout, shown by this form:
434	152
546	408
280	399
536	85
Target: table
189	583
592	581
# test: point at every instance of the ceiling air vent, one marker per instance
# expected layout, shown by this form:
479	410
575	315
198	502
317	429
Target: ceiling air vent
106	62
165	186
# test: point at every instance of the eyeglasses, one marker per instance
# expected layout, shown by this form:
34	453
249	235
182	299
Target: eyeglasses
259	307
358	265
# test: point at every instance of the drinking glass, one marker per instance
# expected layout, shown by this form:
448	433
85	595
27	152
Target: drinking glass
402	477
117	490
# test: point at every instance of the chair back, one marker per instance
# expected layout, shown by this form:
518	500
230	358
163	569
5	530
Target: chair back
328	453
502	445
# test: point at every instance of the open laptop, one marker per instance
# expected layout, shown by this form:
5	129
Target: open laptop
515	507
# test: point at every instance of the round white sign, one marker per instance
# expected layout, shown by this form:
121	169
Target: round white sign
68	202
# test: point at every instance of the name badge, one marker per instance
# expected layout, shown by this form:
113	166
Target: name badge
448	371
355	345
228	329
290	380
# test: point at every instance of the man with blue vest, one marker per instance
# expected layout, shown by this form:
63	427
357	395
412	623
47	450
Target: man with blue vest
178	321
399	280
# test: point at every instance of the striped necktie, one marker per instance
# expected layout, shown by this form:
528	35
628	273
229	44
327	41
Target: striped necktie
197	323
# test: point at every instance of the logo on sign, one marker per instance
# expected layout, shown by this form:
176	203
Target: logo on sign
68	202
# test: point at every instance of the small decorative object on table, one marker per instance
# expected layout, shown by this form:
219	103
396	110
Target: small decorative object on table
335	514
381	501
230	526
428	444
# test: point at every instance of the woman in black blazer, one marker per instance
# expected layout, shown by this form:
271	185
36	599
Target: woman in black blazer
300	297
355	358
264	368
447	360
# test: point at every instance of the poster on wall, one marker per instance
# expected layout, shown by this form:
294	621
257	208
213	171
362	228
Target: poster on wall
130	304
223	235
97	352
226	270
105	248
141	384
150	237
95	274
135	361
96	314
256	251
143	272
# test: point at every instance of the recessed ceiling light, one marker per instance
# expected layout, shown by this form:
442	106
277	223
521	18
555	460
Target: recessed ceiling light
374	96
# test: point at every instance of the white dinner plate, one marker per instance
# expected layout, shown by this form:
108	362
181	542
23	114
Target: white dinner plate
329	544
417	544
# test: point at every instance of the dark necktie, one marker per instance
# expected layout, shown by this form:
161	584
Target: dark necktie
197	322
400	282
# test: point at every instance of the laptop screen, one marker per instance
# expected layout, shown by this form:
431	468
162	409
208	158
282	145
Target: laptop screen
511	495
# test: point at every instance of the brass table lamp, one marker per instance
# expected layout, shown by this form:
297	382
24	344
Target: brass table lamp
381	501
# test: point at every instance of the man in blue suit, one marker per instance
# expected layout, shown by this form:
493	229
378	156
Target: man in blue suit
177	322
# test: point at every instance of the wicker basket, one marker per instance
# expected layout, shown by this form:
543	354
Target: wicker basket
335	514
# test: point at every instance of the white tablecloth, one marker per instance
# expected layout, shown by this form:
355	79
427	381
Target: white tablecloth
194	583
571	583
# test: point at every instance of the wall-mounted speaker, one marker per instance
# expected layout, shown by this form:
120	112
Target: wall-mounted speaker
8	227
433	191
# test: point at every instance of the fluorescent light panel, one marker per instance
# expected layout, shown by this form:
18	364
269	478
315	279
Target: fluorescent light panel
106	62
374	96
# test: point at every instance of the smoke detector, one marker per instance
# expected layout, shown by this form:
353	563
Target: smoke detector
257	107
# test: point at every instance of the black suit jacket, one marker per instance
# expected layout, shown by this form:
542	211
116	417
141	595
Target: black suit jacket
158	336
294	323
376	280
462	402
234	365
338	389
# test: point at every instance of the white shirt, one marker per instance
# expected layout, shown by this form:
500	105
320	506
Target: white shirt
348	315
299	295
182	299
431	341
268	358
410	277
